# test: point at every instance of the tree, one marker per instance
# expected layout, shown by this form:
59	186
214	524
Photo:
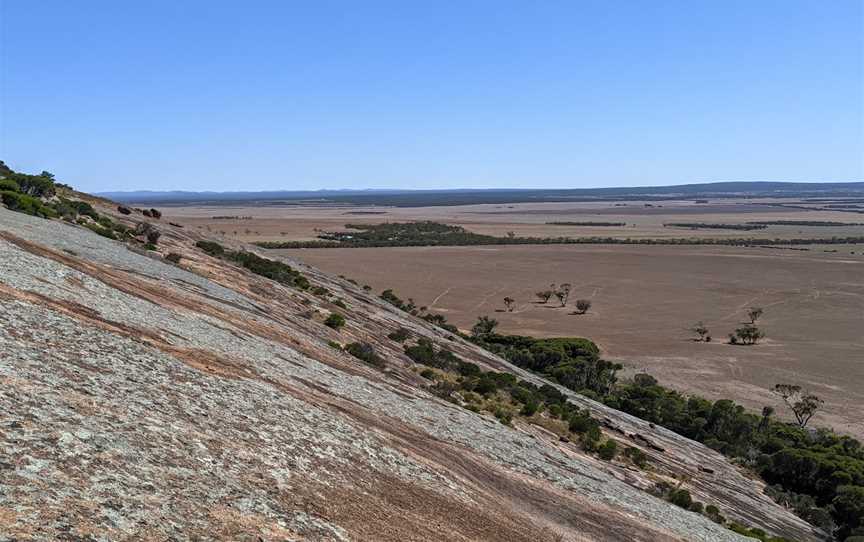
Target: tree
803	405
748	334
562	293
509	303
754	313
701	330
484	326
849	509
582	306
544	295
765	422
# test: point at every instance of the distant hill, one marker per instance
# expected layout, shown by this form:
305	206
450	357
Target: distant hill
422	198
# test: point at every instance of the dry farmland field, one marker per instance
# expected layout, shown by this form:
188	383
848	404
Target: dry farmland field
644	298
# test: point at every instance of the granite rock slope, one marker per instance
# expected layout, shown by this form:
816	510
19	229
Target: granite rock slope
142	400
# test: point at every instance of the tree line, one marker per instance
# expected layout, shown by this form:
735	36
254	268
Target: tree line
820	470
407	234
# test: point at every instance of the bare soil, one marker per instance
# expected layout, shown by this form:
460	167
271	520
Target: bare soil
644	299
287	223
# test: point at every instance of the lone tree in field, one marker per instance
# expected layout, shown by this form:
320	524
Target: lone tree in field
562	293
749	335
803	405
484	326
754	313
509	303
582	306
544	295
701	330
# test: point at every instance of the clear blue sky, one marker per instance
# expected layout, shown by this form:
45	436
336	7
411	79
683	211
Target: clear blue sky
432	94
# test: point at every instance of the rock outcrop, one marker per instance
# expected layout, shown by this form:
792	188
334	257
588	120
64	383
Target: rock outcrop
145	400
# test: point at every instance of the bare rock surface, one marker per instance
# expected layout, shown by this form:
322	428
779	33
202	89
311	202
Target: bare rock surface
146	401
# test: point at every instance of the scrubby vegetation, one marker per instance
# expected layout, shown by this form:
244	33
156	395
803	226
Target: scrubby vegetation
824	469
681	497
410	307
365	352
573	363
810	464
814	464
705	226
595	224
747	334
814	223
40	195
17	201
390	297
399	335
39	186
272	269
335	321
405	234
507	397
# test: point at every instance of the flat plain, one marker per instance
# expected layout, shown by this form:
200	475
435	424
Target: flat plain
644	298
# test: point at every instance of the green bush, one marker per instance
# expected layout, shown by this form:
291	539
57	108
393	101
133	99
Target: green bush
341	304
681	497
637	456
100	230
320	290
608	450
530	408
581	423
10	185
590	438
848	507
400	335
335	321
29	205
504	416
466	368
365	352
210	247
271	269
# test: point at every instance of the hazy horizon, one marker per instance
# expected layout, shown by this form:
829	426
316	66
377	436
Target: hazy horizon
386	95
454	189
